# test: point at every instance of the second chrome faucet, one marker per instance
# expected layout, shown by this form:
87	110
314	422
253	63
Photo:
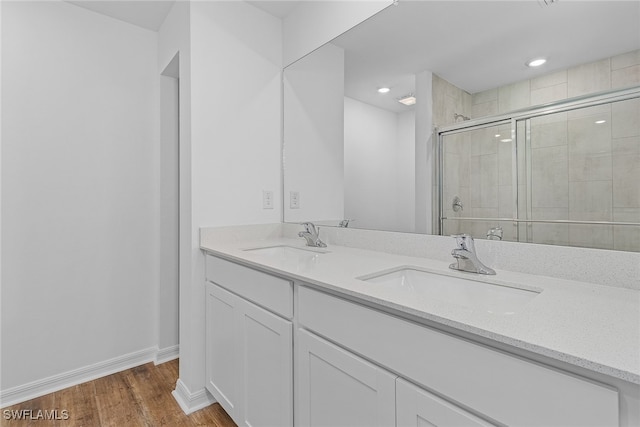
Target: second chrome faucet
312	235
466	257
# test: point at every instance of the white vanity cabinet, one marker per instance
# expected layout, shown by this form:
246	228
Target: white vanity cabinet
358	365
249	352
336	388
493	384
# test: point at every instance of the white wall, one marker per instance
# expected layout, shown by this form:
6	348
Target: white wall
314	135
233	150
424	153
79	189
168	289
80	169
314	23
174	38
230	112
406	172
378	167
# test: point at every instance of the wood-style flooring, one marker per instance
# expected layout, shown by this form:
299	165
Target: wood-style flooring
139	396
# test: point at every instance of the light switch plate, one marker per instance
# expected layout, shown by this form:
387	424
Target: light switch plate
294	200
267	199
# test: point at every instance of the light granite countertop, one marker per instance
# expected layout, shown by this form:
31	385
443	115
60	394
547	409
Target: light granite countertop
592	326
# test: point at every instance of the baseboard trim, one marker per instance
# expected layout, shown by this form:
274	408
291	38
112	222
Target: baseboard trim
61	381
167	354
190	402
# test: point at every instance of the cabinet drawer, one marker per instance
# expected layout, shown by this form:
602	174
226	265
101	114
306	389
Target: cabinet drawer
268	291
506	388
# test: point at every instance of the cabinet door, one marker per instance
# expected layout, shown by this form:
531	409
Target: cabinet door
338	388
267	366
416	407
223	347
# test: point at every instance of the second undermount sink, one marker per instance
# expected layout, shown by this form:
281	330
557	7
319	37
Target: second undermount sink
487	295
286	252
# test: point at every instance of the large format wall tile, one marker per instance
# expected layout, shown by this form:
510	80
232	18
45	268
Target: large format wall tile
506	201
589	78
625	117
591	236
505	163
625	70
549	80
549	176
485	109
625	60
625	77
626	173
514	96
626	238
553	234
548	134
589	143
549	94
590	201
549	87
489	181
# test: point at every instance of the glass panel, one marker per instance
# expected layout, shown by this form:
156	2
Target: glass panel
477	169
578	178
585	166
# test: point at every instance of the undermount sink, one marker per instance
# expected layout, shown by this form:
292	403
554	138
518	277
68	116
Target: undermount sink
286	252
491	296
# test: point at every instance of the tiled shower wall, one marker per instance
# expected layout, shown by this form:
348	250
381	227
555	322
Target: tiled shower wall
612	73
580	170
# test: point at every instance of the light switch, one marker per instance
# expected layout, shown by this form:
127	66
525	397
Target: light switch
294	200
267	199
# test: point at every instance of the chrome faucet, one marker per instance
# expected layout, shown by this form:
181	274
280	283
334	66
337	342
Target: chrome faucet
495	233
311	235
345	223
466	258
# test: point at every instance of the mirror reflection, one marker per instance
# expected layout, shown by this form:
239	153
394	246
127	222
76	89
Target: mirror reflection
359	155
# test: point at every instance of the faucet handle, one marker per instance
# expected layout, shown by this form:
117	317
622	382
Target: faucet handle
309	227
464	241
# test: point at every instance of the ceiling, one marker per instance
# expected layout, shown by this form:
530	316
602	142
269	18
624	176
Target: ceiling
476	45
480	45
279	9
149	14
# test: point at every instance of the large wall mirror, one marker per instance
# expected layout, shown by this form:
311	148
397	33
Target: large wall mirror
422	118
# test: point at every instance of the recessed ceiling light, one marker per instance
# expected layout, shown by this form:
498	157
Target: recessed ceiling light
384	90
407	99
536	62
599	122
497	135
506	140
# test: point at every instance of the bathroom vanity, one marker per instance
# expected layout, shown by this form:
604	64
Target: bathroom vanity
347	336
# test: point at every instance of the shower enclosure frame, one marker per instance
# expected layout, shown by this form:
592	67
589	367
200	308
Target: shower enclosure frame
514	118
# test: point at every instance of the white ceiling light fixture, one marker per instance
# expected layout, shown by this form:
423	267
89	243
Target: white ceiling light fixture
407	99
536	62
599	122
384	90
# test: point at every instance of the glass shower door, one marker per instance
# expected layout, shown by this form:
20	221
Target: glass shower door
583	173
478	196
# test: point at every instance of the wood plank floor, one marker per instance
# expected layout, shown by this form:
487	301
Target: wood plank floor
140	396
